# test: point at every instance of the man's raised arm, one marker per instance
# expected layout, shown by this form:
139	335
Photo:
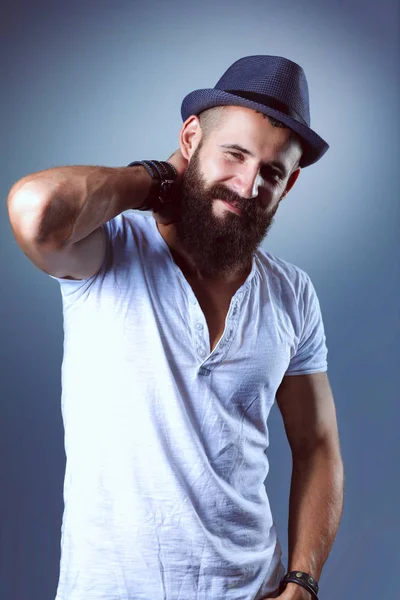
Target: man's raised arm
56	214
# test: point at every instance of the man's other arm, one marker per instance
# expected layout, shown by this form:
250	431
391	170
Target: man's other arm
316	493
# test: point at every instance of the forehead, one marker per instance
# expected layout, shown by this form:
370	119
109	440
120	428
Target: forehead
254	132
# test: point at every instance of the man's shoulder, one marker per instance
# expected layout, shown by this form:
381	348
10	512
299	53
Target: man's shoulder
133	217
280	268
129	222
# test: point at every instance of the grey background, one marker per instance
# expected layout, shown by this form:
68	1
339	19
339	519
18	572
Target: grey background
101	83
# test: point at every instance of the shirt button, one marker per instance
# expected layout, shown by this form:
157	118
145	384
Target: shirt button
199	326
193	301
202	353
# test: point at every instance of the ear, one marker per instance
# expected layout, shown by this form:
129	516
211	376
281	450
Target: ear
291	181
190	136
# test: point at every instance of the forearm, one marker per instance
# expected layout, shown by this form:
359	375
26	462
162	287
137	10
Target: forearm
66	204
315	508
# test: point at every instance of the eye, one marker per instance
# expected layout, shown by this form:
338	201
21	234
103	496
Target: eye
235	154
270	175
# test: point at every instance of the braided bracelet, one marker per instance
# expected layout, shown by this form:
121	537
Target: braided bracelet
163	175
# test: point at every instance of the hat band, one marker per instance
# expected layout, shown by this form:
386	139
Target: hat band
269	101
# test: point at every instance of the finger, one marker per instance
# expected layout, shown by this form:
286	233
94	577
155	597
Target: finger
174	153
179	162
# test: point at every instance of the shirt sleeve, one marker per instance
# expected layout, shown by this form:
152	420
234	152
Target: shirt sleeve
76	289
311	353
77	282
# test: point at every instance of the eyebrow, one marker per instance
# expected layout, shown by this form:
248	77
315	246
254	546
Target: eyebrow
275	164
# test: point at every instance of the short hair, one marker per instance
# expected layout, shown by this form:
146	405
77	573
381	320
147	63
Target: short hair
212	119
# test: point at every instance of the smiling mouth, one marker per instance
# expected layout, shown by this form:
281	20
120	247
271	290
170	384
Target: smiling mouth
232	206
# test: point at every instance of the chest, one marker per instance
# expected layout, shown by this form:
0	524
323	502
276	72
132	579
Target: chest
215	305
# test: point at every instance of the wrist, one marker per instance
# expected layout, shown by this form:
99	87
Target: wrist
293	591
163	181
303	580
138	184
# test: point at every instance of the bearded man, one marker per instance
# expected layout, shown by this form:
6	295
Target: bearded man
180	333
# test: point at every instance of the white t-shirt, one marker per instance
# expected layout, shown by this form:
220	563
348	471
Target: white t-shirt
166	442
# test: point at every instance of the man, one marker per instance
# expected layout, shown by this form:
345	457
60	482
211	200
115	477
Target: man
180	332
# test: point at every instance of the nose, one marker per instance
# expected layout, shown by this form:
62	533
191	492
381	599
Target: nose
247	182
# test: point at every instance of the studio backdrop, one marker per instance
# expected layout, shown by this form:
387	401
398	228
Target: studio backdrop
101	83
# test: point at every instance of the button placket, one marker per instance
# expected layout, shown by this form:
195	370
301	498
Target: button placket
198	329
200	342
234	318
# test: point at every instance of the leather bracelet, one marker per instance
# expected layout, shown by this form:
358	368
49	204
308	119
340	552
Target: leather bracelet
303	579
163	175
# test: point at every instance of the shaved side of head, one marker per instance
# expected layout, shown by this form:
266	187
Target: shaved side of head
213	118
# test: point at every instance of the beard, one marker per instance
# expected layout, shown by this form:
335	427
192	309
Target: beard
219	245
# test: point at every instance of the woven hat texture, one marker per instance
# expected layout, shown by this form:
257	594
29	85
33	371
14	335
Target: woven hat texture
273	85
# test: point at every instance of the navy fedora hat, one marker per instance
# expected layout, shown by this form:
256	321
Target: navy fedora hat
272	85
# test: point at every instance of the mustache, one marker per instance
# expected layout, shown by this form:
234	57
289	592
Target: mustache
223	193
249	207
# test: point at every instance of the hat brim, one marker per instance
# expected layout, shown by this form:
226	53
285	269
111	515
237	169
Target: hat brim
314	147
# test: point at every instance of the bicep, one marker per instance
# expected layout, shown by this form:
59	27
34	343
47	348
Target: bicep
80	260
308	411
